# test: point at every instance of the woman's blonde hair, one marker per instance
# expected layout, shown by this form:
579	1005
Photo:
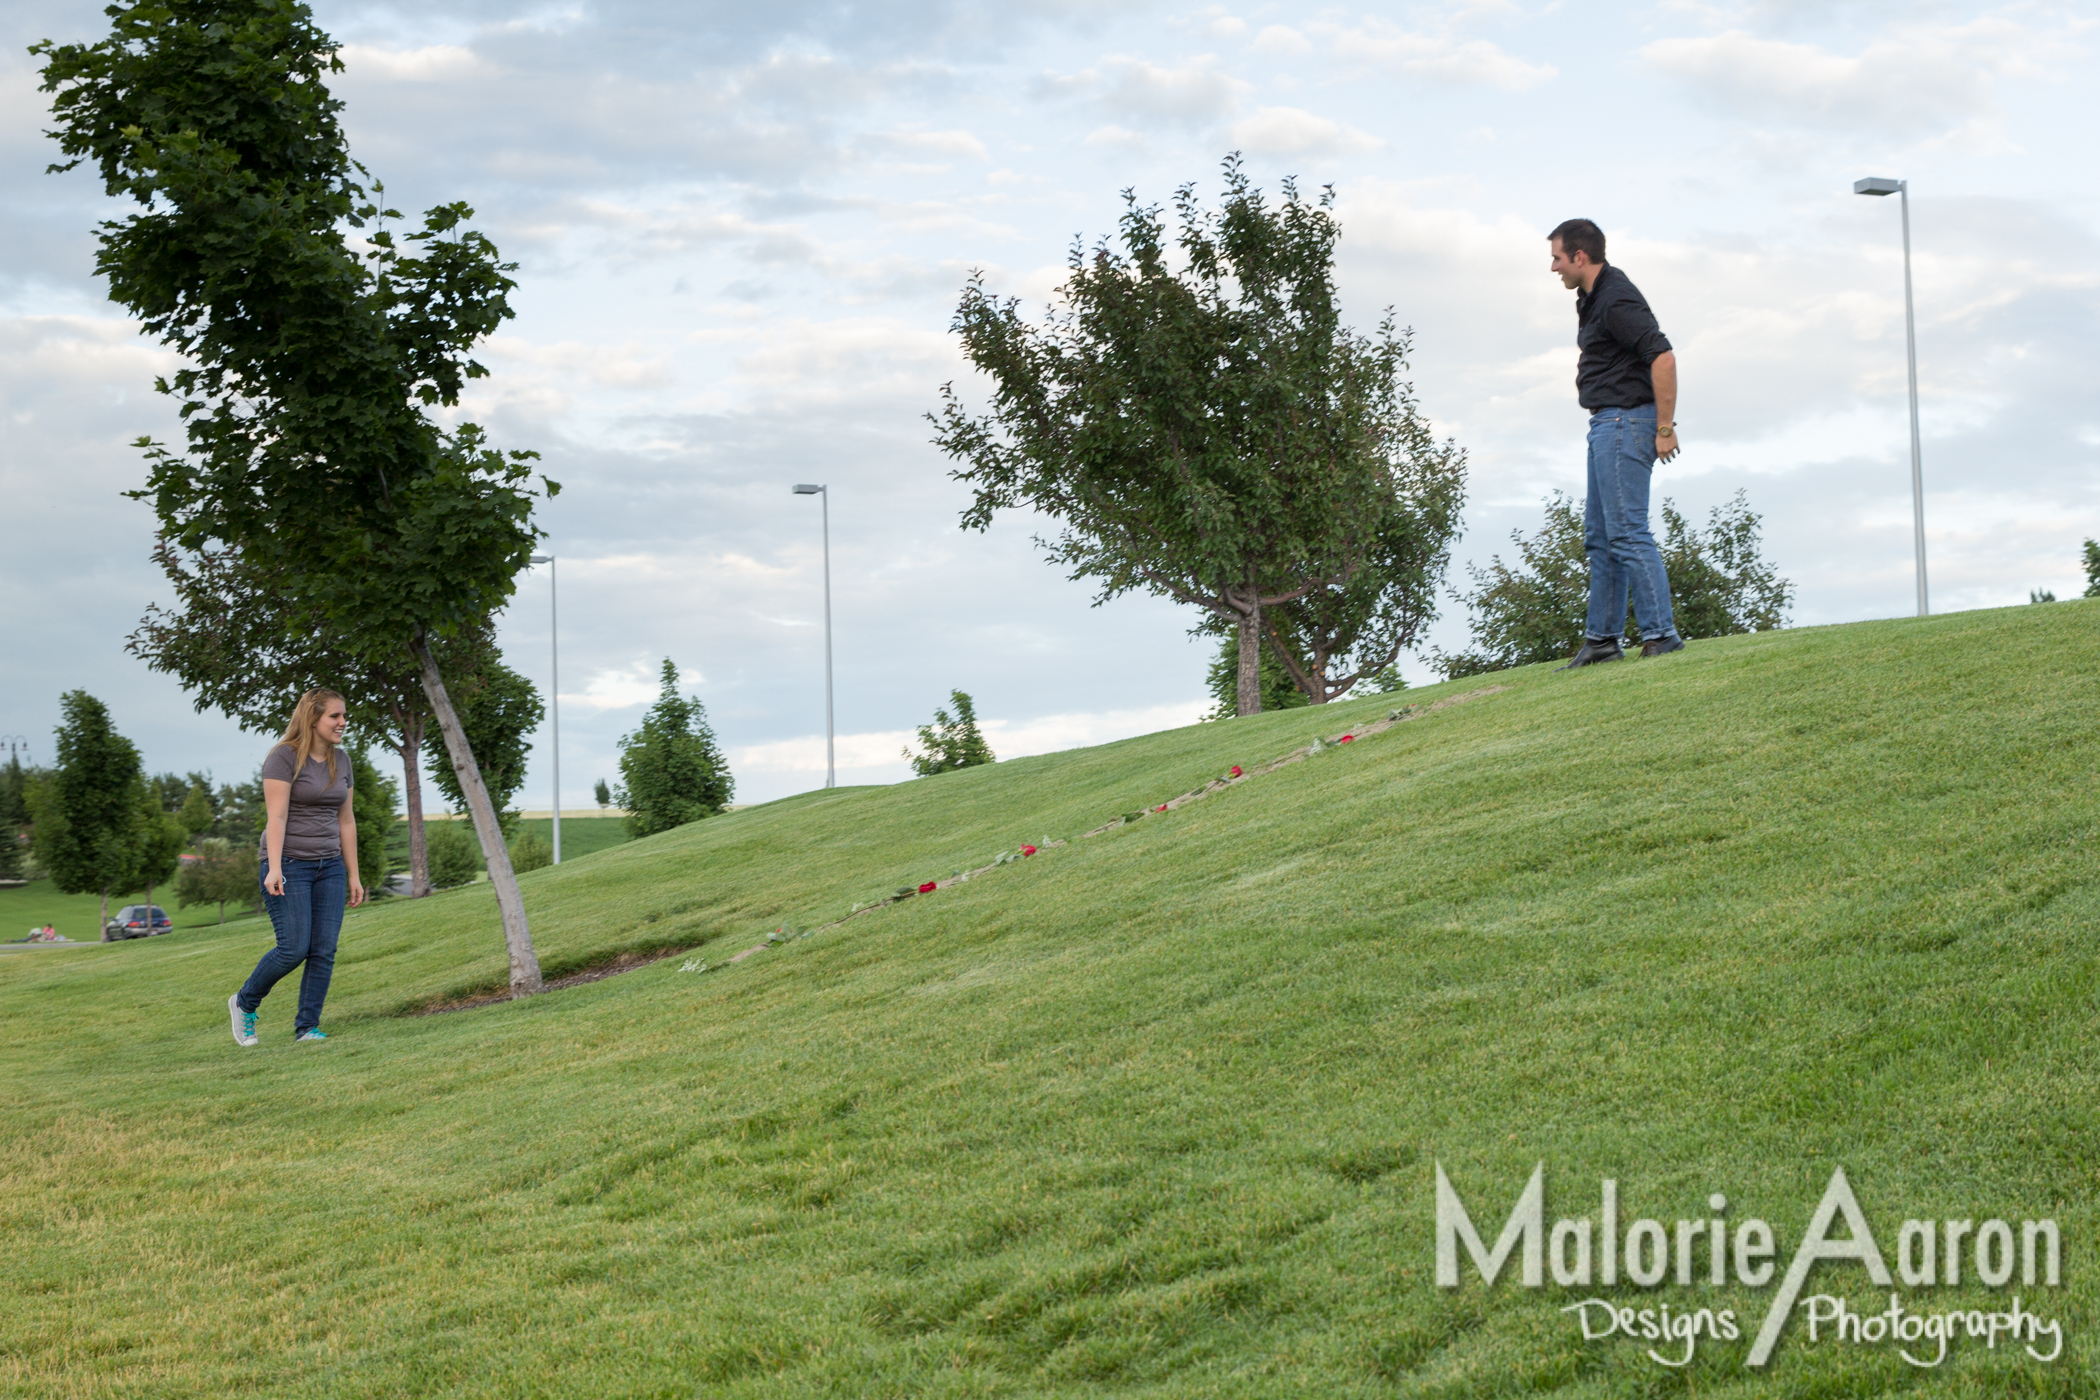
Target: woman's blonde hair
304	732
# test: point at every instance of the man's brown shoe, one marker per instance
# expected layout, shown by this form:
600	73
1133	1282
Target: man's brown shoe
1662	646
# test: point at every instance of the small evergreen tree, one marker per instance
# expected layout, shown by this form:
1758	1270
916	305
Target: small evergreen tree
89	832
951	741
671	771
602	793
15	781
2092	568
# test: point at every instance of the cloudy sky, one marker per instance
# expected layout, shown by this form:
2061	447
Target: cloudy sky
741	230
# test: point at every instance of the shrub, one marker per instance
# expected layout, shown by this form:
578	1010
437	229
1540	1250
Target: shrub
454	857
530	851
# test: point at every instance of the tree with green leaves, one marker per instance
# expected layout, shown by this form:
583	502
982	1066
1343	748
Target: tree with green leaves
198	813
241	812
237	647
99	828
15	782
671	771
500	710
1222	680
309	362
372	800
2090	557
602	793
1525	613
1199	422
221	872
951	741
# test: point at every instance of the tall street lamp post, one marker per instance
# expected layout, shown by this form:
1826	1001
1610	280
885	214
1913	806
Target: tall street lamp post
831	772
1882	185
554	689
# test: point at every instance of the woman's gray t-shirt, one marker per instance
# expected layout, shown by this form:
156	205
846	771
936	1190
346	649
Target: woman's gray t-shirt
311	827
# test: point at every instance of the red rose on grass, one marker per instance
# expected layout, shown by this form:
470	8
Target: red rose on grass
1236	770
1028	850
927	888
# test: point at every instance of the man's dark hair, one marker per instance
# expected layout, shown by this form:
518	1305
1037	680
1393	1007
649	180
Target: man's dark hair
1580	236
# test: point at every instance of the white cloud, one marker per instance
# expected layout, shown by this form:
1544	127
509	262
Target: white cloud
1292	131
1113	137
1919	80
1281	39
435	63
937	143
1441	55
1195	92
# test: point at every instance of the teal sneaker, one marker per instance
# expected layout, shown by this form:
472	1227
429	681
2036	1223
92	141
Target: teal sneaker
243	1021
315	1034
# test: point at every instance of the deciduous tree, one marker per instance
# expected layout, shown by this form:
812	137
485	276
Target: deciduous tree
1533	610
951	741
221	872
1194	415
500	710
372	800
309	362
671	771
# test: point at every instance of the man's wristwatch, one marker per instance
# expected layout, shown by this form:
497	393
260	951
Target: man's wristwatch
1666	430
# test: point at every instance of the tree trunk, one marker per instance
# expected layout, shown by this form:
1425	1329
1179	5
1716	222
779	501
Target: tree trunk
1250	657
105	915
412	799
524	963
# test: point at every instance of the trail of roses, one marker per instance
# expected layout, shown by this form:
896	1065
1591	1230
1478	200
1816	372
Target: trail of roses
1232	778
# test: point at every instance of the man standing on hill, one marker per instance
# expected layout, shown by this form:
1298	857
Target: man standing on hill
1627	379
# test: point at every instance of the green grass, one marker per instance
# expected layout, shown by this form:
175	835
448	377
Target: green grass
1150	1114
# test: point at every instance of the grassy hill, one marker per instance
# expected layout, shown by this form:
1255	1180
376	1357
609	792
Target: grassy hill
1153	1112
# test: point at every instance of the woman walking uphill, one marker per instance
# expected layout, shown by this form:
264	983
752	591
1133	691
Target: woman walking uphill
309	863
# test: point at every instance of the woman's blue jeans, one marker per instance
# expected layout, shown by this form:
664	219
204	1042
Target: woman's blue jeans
308	918
1615	533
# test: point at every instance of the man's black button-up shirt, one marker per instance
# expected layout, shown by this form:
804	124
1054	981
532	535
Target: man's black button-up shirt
1619	339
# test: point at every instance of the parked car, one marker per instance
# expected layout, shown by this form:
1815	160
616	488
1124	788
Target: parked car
137	921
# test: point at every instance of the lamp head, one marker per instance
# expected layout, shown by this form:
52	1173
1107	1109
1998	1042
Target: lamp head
808	490
1876	184
543	559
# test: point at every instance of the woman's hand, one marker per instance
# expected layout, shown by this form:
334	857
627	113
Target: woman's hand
357	890
273	883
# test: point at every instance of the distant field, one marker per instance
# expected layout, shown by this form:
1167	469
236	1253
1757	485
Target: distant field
580	835
77	916
1154	1113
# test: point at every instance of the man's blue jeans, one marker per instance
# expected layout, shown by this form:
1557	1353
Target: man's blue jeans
308	917
1615	534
